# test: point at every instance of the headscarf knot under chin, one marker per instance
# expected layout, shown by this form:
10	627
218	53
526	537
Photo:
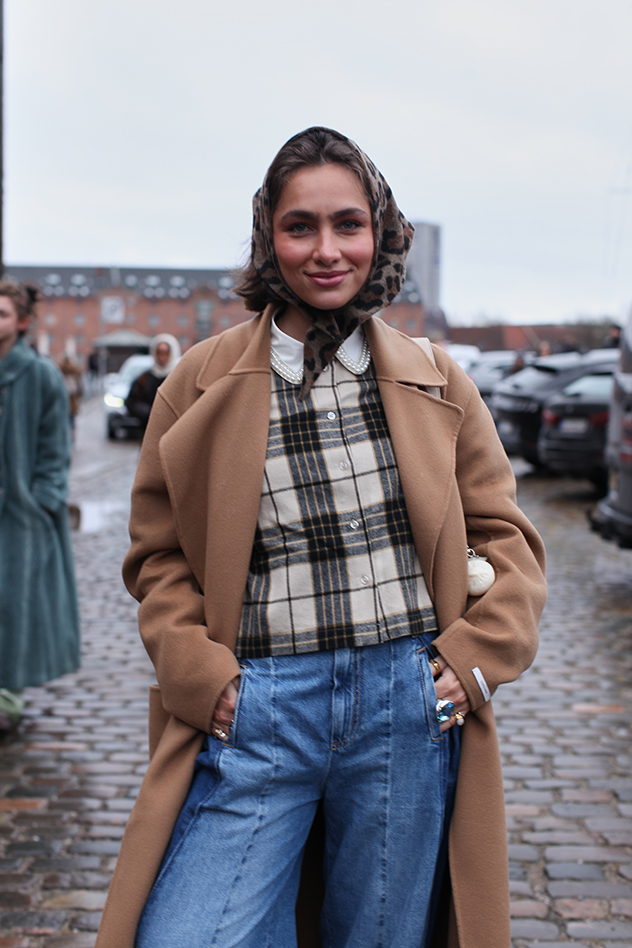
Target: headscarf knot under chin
392	235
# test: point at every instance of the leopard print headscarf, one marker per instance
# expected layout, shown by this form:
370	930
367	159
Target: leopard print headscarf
392	236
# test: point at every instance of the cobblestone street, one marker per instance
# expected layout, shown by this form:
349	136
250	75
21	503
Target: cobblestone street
68	778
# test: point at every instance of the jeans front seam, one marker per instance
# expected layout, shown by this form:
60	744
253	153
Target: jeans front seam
265	792
357	691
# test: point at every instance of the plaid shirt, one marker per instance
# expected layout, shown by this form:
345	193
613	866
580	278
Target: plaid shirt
333	563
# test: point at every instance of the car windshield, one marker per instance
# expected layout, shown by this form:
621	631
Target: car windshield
597	388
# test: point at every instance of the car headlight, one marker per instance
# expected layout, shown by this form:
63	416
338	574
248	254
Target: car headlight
113	401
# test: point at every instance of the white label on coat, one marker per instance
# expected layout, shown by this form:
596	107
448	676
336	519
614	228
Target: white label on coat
482	684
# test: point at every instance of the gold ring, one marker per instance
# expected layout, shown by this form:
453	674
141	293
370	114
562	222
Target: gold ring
460	718
435	664
219	734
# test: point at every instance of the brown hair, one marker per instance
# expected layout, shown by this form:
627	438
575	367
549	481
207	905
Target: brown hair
314	146
24	298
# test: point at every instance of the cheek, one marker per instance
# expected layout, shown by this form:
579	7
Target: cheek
364	255
289	253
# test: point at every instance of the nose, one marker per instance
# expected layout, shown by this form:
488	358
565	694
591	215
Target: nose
326	250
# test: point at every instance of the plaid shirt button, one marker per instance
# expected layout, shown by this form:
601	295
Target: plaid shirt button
343	465
365	580
331	415
354	524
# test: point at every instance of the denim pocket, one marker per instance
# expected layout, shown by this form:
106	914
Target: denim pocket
232	734
428	692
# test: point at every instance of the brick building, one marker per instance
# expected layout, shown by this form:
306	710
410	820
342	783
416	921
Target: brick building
82	304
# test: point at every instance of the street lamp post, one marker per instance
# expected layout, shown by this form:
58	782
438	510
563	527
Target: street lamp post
1	137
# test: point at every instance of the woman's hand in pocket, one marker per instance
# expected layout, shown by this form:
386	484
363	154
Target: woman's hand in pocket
225	709
449	688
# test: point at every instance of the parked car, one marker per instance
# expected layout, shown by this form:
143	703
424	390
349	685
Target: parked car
572	438
613	516
489	368
119	424
518	400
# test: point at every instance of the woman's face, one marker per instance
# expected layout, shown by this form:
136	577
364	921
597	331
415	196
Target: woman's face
323	235
163	351
10	325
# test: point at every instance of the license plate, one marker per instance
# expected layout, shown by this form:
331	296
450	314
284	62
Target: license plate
574	426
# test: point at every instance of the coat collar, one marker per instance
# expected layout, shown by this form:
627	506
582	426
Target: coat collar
15	362
396	357
241	351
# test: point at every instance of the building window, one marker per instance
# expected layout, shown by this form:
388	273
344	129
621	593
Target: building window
224	320
411	324
79	338
80	319
393	322
154	319
184	342
50	319
183	319
131	318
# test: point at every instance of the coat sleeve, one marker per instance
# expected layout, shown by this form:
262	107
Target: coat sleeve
497	636
191	669
49	484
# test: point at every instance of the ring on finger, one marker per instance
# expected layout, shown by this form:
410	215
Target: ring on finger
460	718
444	710
220	734
435	664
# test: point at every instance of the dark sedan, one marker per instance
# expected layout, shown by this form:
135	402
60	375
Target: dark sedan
573	434
518	401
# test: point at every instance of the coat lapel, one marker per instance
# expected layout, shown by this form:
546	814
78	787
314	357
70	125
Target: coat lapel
213	458
424	431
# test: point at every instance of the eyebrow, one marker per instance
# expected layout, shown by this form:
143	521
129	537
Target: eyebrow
310	216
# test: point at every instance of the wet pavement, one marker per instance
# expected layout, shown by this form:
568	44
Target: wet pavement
69	777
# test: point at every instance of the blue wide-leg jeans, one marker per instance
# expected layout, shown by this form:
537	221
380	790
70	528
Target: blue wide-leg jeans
355	728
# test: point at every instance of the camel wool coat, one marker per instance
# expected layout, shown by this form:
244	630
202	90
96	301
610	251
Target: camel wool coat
194	514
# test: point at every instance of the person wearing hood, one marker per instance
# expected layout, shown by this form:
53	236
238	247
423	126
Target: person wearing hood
165	350
312	484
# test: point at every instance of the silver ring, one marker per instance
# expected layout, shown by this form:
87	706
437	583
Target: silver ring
219	734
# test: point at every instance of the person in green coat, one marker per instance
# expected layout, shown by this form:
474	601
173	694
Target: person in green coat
39	620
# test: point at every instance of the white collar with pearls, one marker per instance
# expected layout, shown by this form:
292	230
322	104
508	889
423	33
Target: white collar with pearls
287	354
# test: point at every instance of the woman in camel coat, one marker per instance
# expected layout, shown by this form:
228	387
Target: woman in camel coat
195	518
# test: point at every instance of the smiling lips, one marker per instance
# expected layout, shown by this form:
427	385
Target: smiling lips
326	278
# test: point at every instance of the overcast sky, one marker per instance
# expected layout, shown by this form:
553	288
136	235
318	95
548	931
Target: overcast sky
138	130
